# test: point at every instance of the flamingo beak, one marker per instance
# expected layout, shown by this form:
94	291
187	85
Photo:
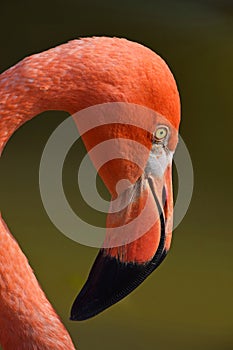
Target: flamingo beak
138	237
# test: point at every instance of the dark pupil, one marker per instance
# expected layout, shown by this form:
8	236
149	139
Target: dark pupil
161	133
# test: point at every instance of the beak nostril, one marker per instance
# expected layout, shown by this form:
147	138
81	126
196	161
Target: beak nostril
122	185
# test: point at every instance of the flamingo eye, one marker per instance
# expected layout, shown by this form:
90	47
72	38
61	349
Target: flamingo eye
160	133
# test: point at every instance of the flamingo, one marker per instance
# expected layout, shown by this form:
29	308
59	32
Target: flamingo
71	77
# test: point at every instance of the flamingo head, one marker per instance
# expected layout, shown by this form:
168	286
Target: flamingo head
139	143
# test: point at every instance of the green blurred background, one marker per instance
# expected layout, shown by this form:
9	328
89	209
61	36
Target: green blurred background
187	302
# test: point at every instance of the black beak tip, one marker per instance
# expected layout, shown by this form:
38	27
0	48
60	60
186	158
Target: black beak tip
76	317
73	318
109	281
80	312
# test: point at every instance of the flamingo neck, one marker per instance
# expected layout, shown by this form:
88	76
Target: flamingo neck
62	78
27	319
52	80
32	86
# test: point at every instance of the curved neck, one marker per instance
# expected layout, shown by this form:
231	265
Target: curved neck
56	79
63	78
31	87
51	80
27	319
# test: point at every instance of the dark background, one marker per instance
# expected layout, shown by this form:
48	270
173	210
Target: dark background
187	303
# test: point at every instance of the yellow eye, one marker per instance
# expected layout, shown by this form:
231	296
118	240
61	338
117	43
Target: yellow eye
161	133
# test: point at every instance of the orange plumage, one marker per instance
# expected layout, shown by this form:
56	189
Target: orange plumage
71	77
